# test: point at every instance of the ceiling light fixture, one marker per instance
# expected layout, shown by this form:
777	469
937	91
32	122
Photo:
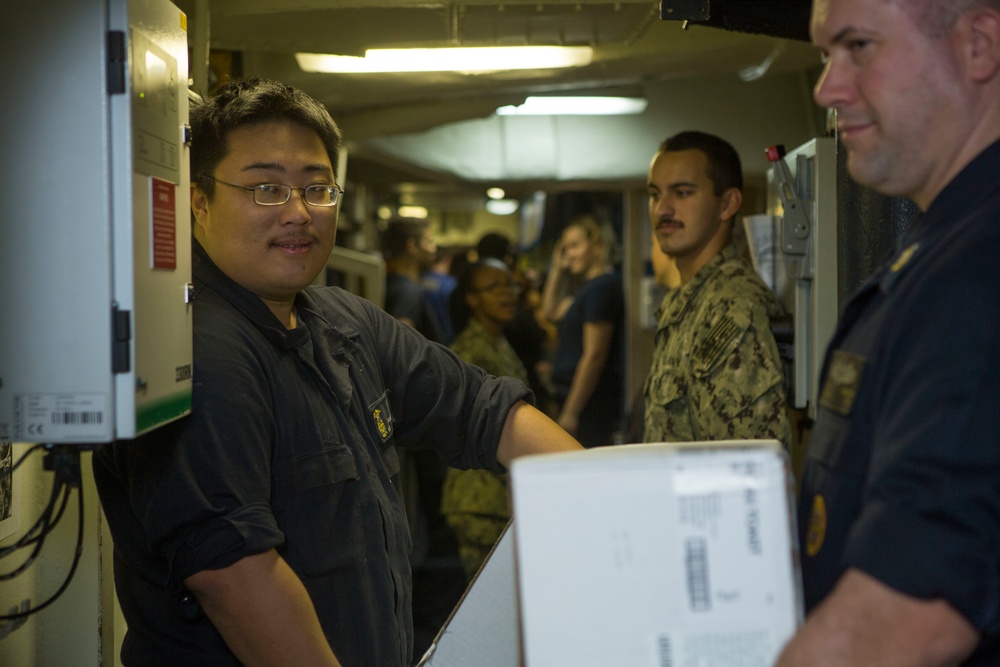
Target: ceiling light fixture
411	211
755	72
576	106
502	206
449	59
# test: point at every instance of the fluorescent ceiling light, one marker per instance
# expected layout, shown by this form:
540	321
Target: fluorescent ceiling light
576	106
451	59
419	212
495	193
502	206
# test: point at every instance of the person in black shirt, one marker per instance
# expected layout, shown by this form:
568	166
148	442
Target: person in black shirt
268	527
583	296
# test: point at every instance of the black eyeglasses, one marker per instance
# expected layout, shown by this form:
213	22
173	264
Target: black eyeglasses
276	194
497	288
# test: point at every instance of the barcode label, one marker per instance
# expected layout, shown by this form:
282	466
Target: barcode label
732	649
77	417
666	657
61	417
696	569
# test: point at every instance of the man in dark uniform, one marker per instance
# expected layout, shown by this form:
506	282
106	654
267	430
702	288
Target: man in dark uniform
900	505
268	527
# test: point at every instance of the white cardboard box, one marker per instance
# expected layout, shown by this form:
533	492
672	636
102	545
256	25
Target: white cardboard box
666	555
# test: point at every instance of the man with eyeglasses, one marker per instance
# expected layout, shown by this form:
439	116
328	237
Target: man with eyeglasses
267	527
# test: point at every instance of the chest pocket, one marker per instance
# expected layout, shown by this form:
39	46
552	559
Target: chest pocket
833	483
668	408
323	483
838	441
832	445
328	466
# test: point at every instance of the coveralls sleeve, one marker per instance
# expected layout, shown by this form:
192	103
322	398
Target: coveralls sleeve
439	400
201	485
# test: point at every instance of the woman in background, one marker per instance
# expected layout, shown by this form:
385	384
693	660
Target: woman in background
584	297
476	503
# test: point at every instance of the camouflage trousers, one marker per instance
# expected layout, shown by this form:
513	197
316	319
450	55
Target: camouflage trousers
476	534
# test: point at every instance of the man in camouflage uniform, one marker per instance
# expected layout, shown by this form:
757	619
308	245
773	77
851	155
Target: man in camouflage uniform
716	373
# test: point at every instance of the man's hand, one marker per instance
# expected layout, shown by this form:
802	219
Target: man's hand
864	622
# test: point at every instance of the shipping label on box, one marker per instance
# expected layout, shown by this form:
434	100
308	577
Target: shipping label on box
666	555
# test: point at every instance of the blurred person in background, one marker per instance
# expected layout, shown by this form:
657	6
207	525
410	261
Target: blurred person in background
476	503
584	297
438	282
525	333
410	249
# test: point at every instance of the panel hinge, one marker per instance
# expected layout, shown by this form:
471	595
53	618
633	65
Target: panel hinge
117	62
121	336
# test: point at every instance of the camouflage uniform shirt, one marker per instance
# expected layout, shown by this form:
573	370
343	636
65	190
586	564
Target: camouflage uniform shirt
716	373
481	491
477	502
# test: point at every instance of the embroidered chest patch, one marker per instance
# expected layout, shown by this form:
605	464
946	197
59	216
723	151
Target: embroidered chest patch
381	415
843	378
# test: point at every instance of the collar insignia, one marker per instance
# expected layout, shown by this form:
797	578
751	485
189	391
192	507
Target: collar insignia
904	257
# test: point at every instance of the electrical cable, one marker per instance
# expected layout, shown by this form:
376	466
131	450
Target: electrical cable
43	522
38	540
62	509
65	462
24	457
69	576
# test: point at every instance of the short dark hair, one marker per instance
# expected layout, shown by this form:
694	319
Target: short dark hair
252	101
496	245
724	167
457	306
400	230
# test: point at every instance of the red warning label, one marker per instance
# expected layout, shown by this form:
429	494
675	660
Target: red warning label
164	235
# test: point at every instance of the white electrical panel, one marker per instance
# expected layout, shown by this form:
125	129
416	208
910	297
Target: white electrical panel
95	259
802	198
